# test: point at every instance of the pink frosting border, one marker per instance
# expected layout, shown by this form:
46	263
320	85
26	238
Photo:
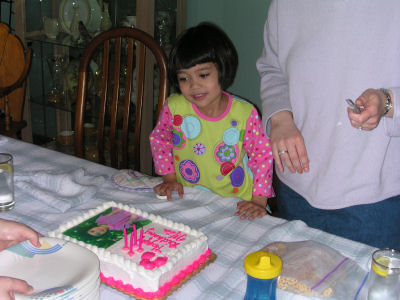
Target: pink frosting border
165	288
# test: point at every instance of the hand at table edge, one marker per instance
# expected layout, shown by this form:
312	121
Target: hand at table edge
168	185
256	208
12	232
9	285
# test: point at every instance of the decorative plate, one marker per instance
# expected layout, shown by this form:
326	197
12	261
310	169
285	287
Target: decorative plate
88	12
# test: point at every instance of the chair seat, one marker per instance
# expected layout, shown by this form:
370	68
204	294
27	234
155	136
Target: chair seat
15	128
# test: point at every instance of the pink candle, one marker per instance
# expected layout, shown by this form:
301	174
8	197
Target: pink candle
135	236
126	240
140	241
130	253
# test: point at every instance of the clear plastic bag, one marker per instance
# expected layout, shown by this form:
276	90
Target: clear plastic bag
314	269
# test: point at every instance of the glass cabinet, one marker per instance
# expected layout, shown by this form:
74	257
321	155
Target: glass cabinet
58	31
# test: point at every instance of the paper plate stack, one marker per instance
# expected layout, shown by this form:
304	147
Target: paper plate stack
57	270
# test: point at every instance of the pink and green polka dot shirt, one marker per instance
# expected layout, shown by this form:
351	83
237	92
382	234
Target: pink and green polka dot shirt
229	155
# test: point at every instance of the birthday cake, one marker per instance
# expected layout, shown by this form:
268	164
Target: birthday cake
141	254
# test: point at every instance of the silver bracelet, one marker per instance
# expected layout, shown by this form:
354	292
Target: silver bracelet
388	103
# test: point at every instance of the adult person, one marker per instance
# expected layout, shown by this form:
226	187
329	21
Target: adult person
12	233
338	171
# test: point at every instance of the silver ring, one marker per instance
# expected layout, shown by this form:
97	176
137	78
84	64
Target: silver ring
282	152
360	128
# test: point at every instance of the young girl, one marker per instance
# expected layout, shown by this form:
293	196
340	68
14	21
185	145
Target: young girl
204	137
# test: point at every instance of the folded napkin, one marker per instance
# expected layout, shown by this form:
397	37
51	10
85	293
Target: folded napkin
61	191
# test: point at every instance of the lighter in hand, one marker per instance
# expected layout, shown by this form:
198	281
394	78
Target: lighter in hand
354	107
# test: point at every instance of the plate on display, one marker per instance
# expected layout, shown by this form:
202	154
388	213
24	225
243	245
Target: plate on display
88	12
57	270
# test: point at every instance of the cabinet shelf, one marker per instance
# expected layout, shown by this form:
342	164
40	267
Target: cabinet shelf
63	39
68	107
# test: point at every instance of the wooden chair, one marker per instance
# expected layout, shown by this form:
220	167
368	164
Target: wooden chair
15	63
120	104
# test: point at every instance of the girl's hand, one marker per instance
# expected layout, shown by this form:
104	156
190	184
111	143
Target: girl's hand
169	184
10	285
13	233
252	209
288	144
373	103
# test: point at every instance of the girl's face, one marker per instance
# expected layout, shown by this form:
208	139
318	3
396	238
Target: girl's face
200	86
98	231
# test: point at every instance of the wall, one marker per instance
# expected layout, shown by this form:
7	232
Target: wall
244	22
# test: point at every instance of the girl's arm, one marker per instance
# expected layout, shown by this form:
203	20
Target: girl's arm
258	149
161	149
161	143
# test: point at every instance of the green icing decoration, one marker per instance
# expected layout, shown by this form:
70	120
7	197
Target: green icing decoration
80	231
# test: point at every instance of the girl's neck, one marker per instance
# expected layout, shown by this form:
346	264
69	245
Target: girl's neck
218	111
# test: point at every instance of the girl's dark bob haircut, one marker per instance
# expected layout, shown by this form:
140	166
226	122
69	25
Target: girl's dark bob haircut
203	43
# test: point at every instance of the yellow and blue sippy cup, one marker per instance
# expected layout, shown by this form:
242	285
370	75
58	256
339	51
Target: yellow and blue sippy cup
263	269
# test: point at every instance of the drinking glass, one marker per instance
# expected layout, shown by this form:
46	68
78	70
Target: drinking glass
6	182
384	278
51	27
163	28
57	64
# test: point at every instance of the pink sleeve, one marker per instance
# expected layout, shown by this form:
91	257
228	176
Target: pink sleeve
258	148
161	143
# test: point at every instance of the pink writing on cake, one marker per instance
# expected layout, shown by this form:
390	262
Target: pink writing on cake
157	241
177	236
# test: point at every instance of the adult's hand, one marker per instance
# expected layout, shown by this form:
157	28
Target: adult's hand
372	103
287	143
10	285
13	233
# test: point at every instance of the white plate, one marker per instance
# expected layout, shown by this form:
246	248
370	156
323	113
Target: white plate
131	180
88	10
57	269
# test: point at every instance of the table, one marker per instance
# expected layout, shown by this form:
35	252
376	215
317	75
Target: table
230	238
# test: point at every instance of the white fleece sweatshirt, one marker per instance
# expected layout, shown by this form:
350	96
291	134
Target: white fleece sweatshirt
318	53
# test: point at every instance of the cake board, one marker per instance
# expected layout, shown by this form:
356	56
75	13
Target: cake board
173	288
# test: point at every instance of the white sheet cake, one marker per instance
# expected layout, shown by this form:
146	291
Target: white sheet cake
141	254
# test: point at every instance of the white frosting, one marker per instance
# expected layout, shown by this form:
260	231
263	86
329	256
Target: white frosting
118	264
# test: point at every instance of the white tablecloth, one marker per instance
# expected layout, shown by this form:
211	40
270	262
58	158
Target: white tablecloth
230	238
